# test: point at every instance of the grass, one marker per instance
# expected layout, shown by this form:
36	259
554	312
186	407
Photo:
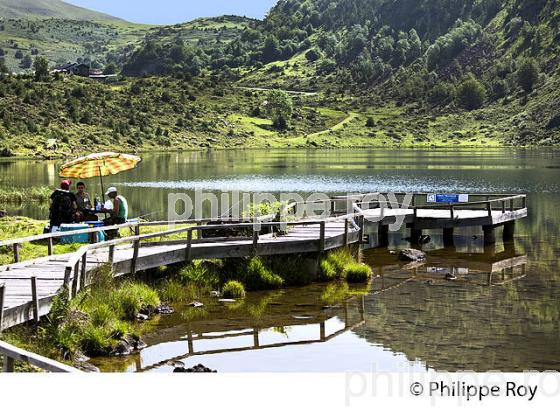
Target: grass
357	273
233	290
23	195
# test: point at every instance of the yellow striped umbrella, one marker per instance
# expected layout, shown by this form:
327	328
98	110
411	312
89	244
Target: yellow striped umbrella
99	165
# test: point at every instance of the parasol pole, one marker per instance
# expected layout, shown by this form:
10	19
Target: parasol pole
102	189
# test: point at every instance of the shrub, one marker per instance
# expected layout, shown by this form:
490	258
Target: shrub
370	122
527	75
94	341
339	259
327	271
198	274
471	94
175	291
131	297
260	277
233	290
102	315
357	273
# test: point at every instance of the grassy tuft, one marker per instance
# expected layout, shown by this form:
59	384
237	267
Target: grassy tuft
233	290
357	273
327	272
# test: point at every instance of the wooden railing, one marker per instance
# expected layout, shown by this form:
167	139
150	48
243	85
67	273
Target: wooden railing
12	354
507	203
76	267
16	243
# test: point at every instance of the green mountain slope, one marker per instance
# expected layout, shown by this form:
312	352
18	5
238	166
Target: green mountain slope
17	9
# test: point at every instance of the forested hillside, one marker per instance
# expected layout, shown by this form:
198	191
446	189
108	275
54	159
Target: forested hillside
359	73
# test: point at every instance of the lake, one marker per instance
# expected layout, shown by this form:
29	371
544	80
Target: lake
503	313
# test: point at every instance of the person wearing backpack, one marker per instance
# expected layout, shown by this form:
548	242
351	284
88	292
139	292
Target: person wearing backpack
63	206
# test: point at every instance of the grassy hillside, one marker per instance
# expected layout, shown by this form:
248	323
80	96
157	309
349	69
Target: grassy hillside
416	74
31	9
61	41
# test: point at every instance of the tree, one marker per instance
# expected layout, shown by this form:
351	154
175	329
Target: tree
27	62
471	94
111	68
279	107
271	50
312	55
41	66
3	68
527	75
18	54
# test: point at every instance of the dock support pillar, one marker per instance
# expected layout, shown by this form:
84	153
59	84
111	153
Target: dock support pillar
489	234
415	235
509	231
383	236
448	240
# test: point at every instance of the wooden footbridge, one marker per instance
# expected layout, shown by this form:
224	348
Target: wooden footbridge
28	287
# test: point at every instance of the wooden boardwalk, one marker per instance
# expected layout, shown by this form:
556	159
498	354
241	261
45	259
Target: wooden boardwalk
27	288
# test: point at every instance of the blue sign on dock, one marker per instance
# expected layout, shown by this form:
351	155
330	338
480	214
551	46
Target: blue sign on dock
447	198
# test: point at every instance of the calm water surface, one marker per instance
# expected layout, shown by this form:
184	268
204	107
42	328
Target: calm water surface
503	313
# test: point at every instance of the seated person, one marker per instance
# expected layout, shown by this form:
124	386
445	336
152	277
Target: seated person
63	206
84	204
118	214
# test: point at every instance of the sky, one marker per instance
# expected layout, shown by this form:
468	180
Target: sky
175	11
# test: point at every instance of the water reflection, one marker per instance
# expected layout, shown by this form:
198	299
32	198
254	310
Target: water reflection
414	317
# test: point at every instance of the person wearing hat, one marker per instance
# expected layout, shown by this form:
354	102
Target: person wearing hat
118	213
63	206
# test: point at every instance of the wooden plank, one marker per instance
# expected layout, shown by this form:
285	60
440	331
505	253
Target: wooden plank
15	353
35	299
2	301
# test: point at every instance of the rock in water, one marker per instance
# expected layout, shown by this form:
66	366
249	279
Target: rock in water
199	368
412	255
164	310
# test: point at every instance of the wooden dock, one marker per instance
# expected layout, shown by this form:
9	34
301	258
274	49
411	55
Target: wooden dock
28	287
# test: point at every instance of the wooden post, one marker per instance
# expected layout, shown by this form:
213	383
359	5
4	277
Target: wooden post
511	205
188	256
111	254
382	235
8	364
35	299
2	299
448	237
83	271
137	230
503	207
133	263
489	234
452	211
322	332
346	228
50	247
322	237
16	252
489	208
66	283
509	231
256	342
524	202
333	207
75	279
255	240
415	235
361	238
